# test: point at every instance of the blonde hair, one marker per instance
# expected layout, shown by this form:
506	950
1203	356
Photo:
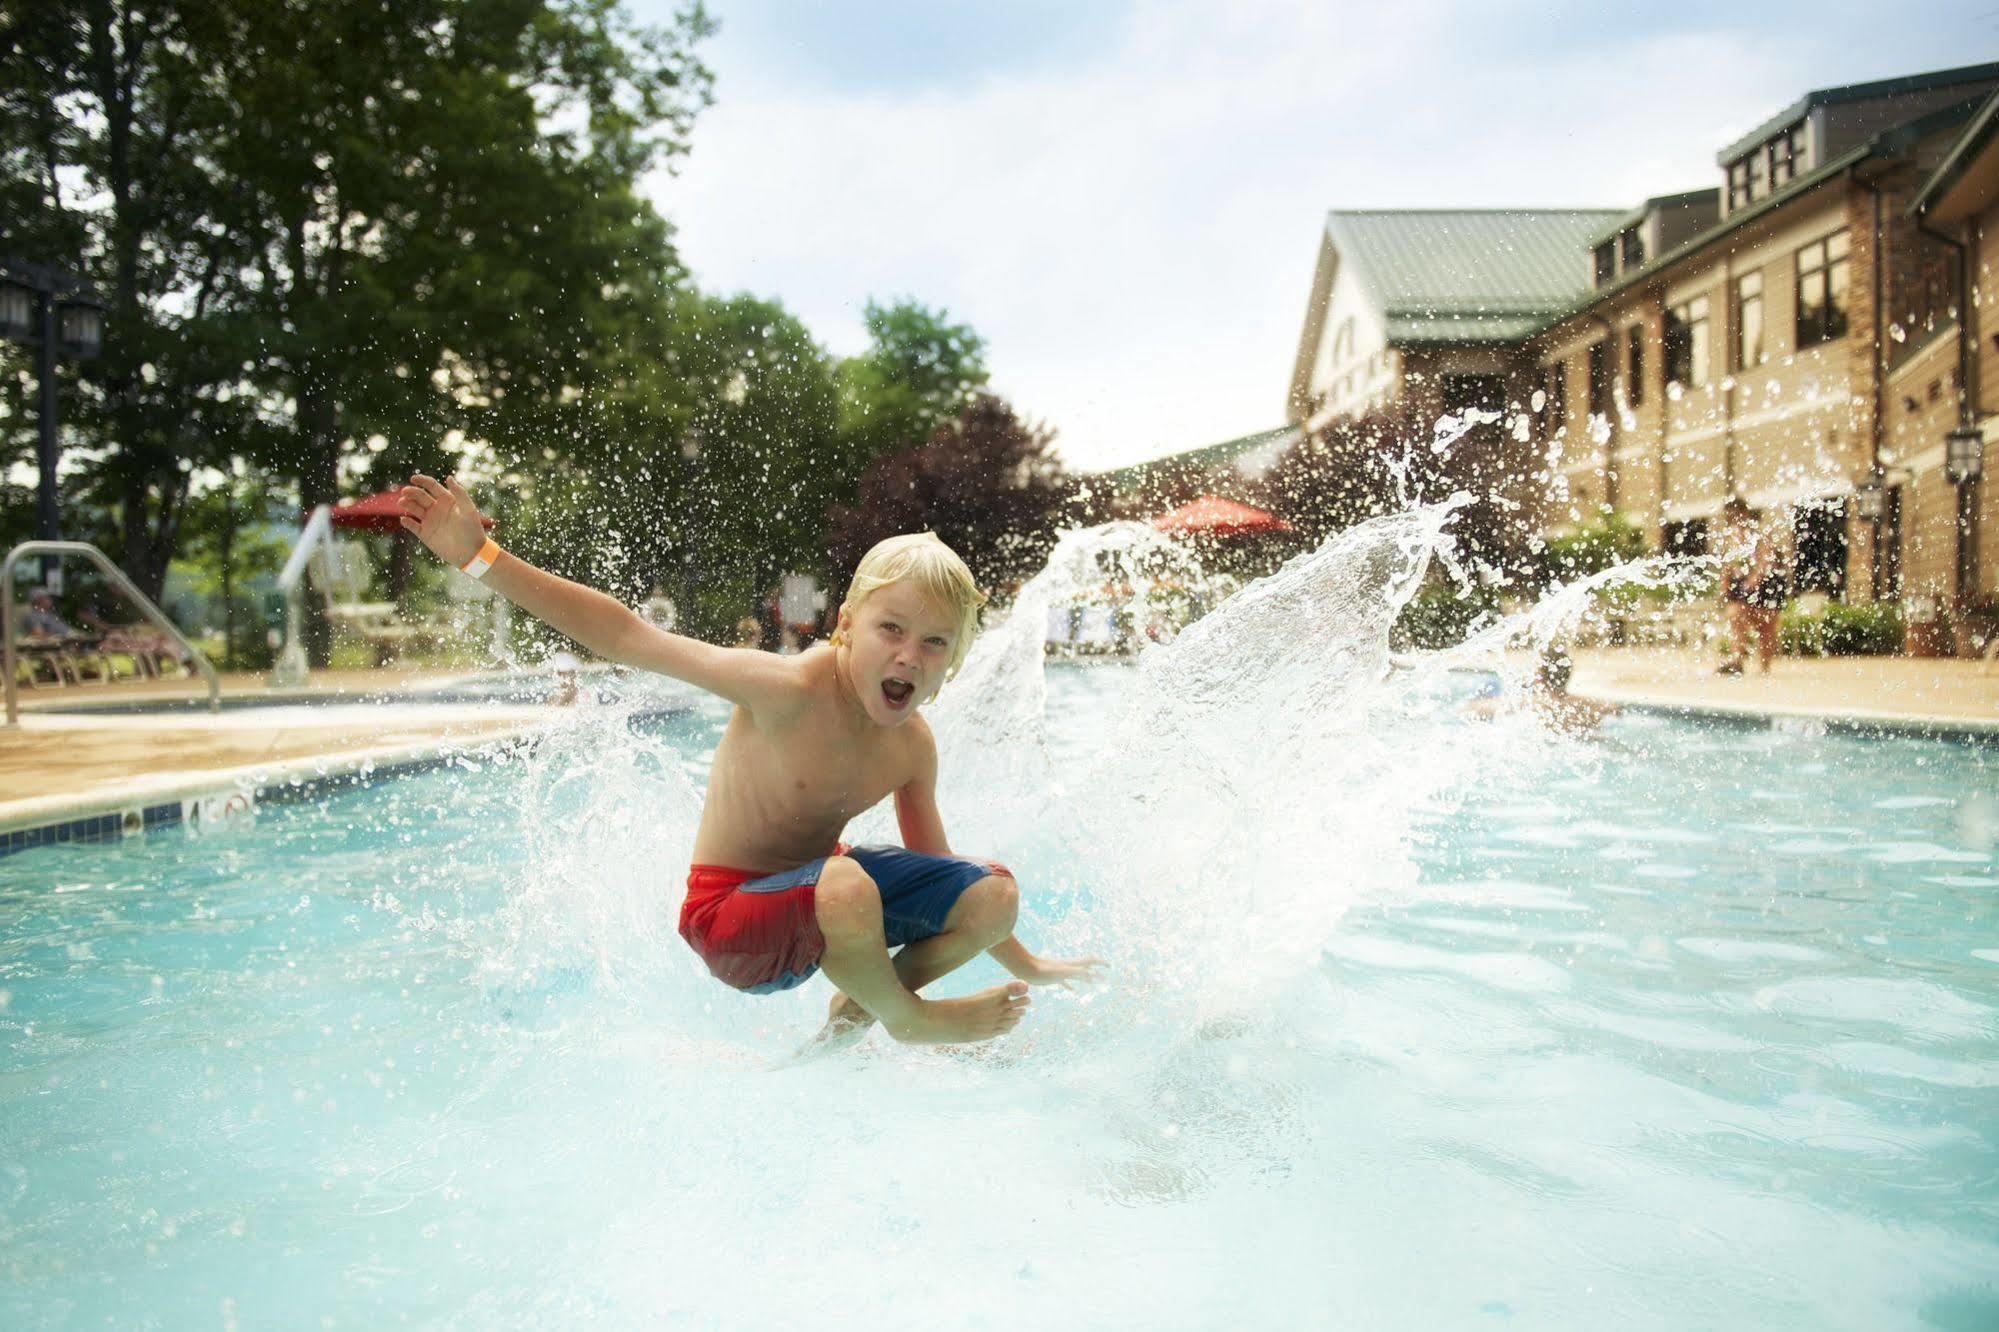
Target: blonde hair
934	569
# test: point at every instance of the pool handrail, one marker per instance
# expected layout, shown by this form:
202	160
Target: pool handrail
291	667
118	580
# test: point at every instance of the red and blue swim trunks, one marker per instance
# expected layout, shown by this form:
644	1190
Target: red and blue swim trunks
760	933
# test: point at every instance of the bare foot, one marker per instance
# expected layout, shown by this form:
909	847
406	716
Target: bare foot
846	1023
845	1011
976	1017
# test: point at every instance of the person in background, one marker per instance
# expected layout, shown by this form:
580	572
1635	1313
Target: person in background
749	633
566	694
1753	587
1546	697
40	620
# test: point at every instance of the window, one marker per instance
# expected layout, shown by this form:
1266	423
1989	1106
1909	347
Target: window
1487	393
1686	537
1757	181
1822	297
1687	359
1749	321
1555	404
1631	247
1820	531
1599	378
1784	154
1738	184
1634	363
1343	343
1606	262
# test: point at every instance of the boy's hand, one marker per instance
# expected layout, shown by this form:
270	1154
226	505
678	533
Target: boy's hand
1063	971
443	517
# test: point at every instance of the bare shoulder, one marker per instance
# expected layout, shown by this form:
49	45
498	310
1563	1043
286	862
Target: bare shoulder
919	748
790	685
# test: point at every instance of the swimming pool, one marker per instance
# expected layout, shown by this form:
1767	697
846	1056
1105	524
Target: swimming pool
1413	1023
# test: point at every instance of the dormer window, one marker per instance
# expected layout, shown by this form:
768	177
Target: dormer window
1632	249
1738	184
1787	156
1605	262
1783	165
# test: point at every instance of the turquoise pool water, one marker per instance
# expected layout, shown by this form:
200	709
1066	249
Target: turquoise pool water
1465	1026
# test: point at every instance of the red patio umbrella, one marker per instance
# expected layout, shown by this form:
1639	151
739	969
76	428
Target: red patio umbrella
1211	515
374	513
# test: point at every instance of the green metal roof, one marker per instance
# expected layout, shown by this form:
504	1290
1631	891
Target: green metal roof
1856	92
1968	143
1201	459
1468	275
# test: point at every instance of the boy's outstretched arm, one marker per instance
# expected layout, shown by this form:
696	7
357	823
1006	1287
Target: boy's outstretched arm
446	520
922	828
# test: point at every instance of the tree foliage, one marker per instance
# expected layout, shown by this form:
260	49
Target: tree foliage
987	483
920	372
1339	476
1356	469
436	229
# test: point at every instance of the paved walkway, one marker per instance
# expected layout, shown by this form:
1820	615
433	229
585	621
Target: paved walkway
69	764
1912	693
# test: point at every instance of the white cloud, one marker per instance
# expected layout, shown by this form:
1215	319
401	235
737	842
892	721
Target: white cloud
1134	235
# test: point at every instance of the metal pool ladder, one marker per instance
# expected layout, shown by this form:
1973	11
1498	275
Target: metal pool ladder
118	580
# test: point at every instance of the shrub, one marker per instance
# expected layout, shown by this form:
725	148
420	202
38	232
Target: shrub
1842	630
1440	615
1611	539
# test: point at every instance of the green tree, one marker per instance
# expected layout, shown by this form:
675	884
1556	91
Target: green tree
987	483
919	373
711	479
451	227
437	229
109	117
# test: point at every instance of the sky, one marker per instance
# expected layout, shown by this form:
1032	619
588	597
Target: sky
1125	198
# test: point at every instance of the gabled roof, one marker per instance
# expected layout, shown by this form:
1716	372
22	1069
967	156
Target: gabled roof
1970	146
1467	275
1249	454
1856	92
1636	215
1887	144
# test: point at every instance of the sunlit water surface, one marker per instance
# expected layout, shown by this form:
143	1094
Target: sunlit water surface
1413	1022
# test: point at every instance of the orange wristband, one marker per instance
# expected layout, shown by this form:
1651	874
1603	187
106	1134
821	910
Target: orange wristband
478	564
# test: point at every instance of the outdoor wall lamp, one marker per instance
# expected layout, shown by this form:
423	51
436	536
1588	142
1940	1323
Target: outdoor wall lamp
1964	454
1870	499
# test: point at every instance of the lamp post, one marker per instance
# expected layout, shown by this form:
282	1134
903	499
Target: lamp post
1870	500
1964	454
690	456
58	314
1963	464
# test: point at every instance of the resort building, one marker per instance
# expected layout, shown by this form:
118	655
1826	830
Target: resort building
1959	204
1790	336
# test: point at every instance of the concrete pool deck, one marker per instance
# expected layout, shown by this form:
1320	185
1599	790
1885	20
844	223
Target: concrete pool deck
64	763
1944	697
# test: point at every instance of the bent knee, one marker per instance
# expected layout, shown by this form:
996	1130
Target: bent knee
845	898
992	904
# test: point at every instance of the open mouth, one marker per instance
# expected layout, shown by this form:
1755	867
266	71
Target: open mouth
898	692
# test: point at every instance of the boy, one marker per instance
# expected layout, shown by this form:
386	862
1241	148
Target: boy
814	740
